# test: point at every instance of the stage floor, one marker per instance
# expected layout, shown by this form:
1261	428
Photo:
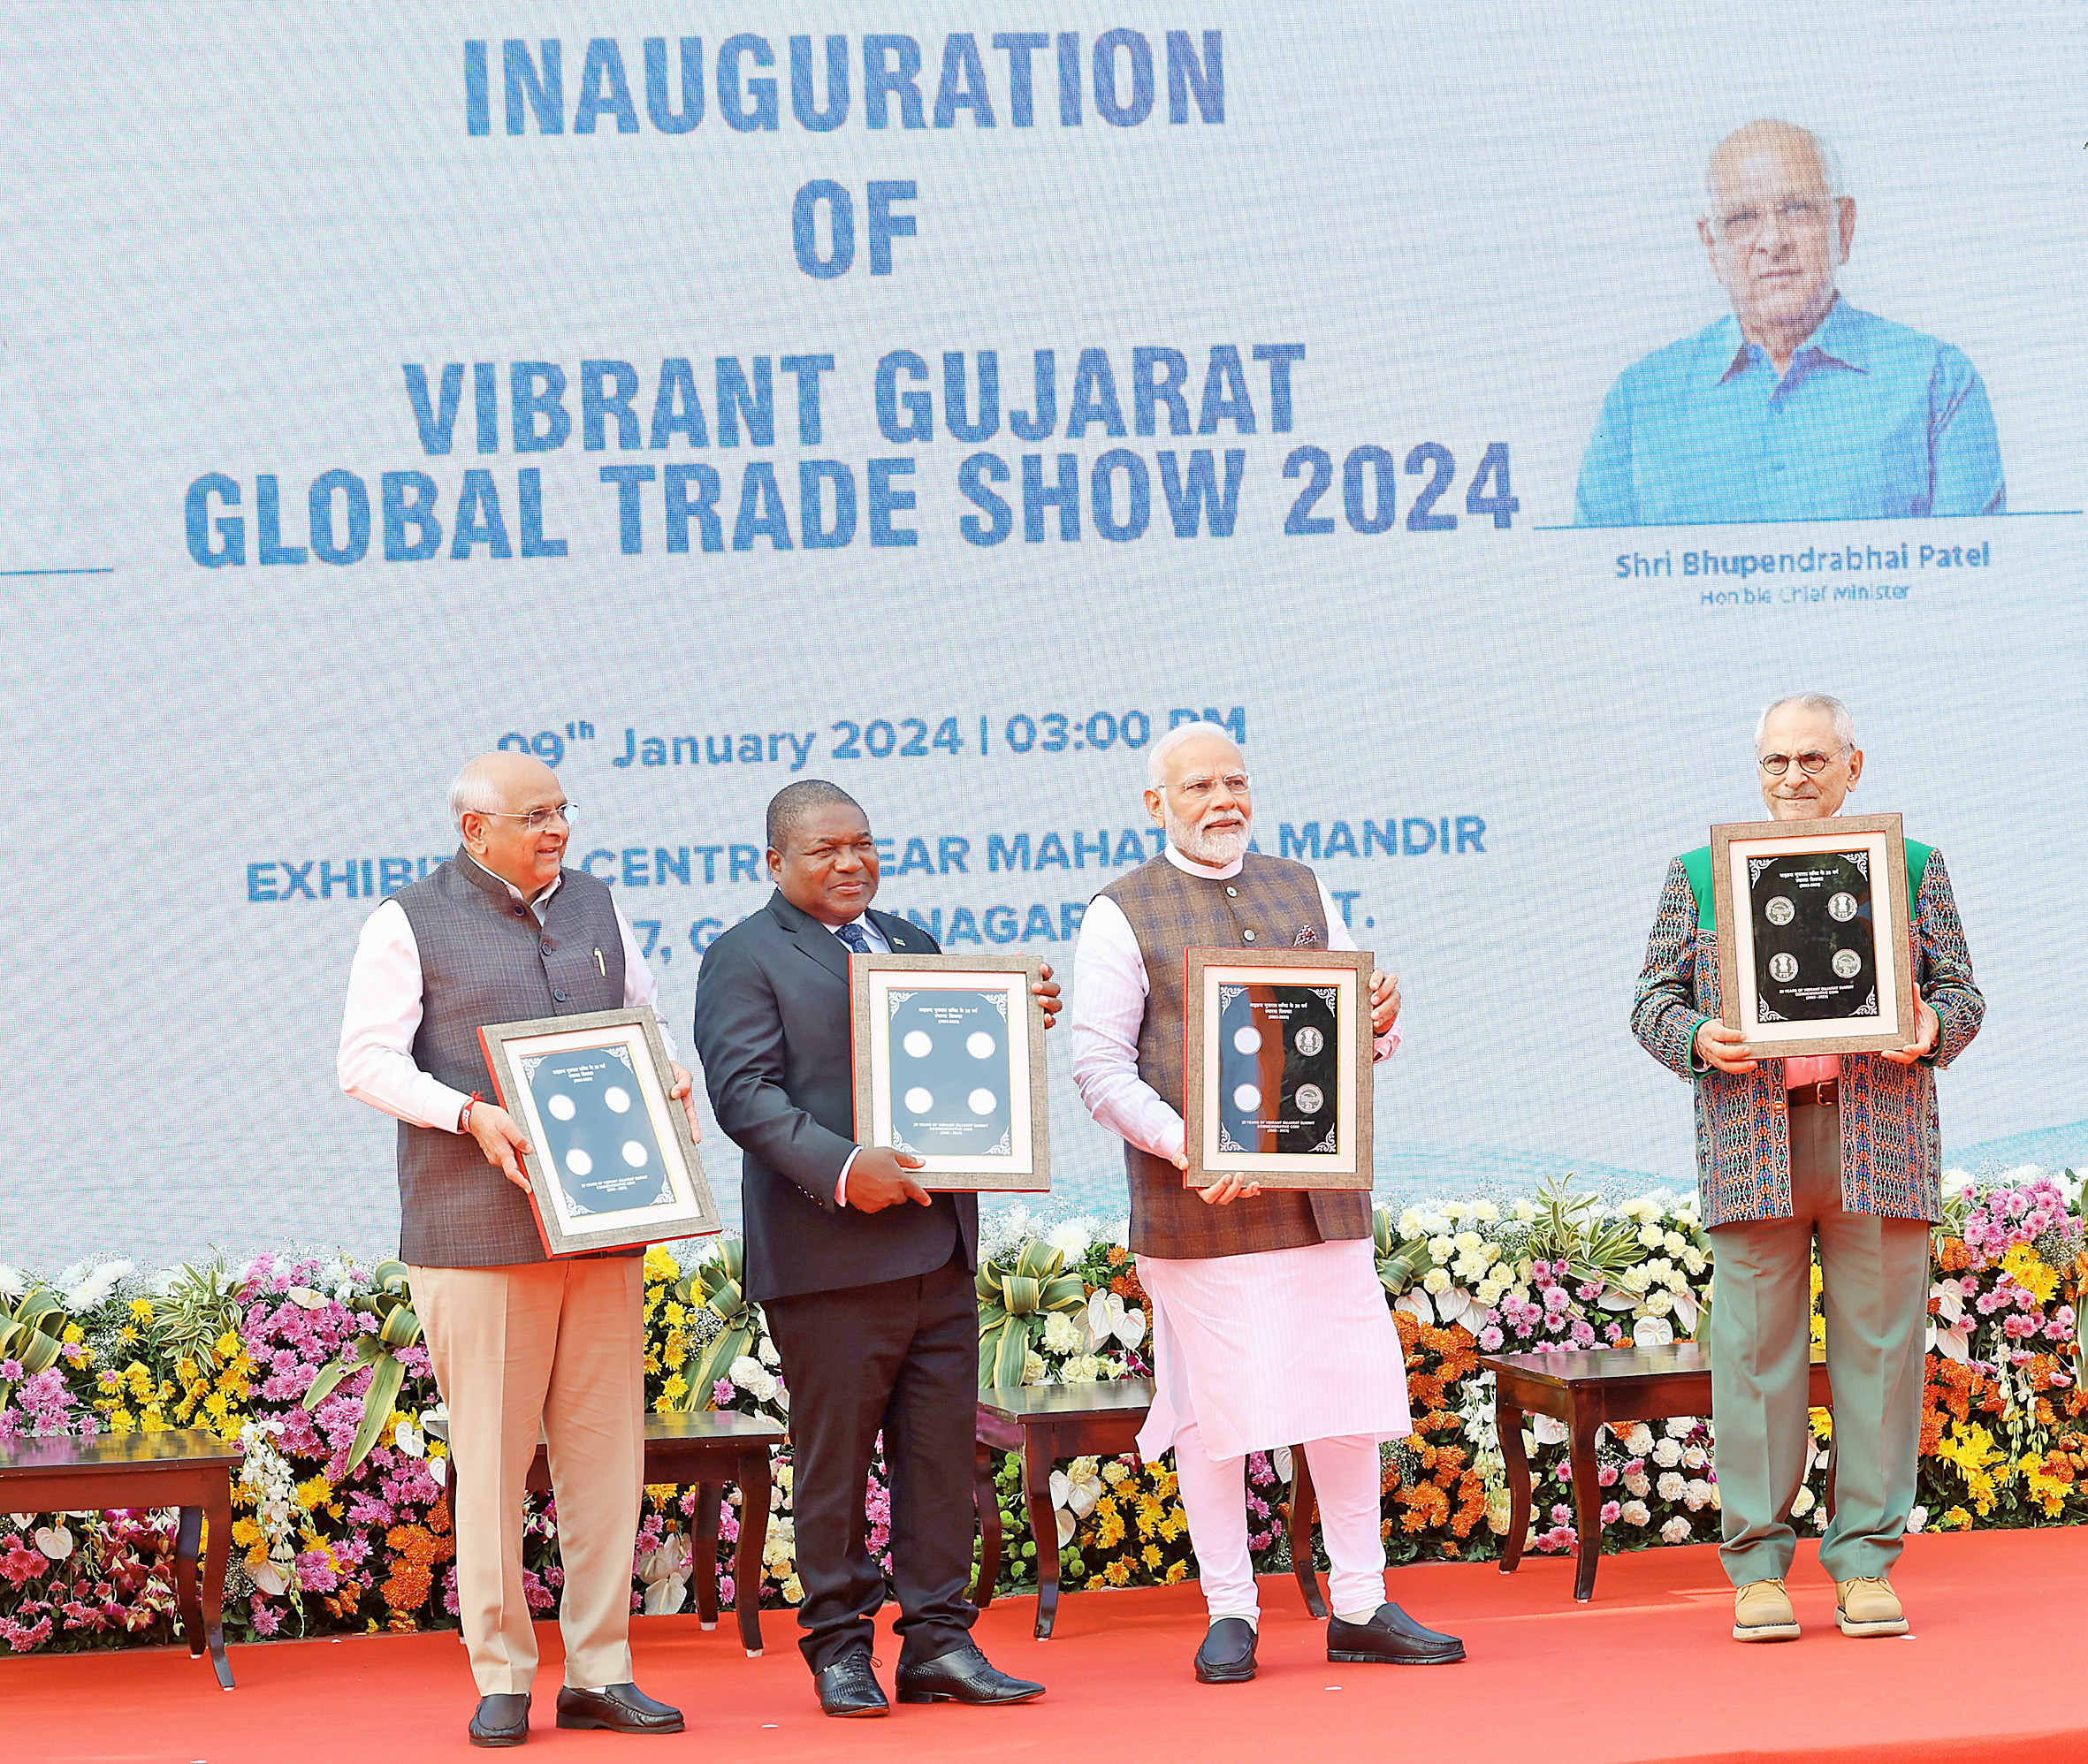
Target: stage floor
1647	1672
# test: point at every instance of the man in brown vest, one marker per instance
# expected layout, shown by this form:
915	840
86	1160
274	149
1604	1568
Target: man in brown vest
1269	1325
501	932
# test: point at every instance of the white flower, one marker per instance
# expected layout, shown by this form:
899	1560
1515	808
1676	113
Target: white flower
1435	1280
794	1591
1674	1242
1667	1454
408	1440
1637	1482
1650	1236
56	1541
753	1377
1435	1224
1109	1319
1635	1513
13	1283
1695	1457
1032	1368
1917	1517
1490	1293
1639	1441
1442	1247
1697	1495
1487	1213
1693	1260
1525	1211
1679	1426
1802	1505
1081	1369
1469	1242
1657	1303
767	1353
1071	1238
1675	1531
1672	1486
1653	1332
1409	1225
1062	1334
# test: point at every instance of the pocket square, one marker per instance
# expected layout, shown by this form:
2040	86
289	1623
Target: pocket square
1306	934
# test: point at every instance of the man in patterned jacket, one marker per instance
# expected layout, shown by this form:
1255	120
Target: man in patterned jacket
1269	1325
1843	1149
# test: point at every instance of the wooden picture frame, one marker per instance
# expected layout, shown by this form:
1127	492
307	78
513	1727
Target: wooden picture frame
949	1064
1239	1009
591	1093
1814	928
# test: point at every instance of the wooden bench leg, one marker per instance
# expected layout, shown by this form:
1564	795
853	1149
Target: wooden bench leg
985	1499
703	1550
1507	1420
1038	1453
746	1557
1304	1502
1587	1501
217	1555
1833	1448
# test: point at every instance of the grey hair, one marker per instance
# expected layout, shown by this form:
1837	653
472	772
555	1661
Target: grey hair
1821	704
1822	149
1156	756
794	801
471	792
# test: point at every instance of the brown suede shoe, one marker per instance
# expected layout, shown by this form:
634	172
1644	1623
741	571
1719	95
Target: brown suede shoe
1869	1606
1761	1612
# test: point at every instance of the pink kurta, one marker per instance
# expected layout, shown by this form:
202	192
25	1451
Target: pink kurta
1273	1348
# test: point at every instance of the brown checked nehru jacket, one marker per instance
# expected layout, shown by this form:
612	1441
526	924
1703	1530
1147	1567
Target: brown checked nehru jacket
1169	912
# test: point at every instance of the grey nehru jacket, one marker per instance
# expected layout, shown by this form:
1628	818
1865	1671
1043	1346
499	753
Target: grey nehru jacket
485	959
1264	907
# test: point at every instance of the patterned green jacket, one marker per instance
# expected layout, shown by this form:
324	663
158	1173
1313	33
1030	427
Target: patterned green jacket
1892	1155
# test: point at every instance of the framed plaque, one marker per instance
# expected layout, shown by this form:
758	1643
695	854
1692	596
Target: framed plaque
1277	1067
1813	945
611	1162
950	1065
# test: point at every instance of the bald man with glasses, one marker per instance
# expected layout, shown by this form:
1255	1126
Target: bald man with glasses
1841	1149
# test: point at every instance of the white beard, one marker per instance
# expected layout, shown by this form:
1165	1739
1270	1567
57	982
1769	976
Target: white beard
1216	850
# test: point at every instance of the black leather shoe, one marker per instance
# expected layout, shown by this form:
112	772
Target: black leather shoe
963	1675
502	1719
1390	1638
621	1709
849	1687
1227	1656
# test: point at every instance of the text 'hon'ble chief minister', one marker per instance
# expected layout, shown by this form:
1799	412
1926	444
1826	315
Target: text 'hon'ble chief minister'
1799	406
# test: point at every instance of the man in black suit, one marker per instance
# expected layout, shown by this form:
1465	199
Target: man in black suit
866	1277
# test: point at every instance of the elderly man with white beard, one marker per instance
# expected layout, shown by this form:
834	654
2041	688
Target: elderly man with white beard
1269	1325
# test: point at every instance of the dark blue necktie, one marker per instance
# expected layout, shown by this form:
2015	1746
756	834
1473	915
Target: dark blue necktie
851	934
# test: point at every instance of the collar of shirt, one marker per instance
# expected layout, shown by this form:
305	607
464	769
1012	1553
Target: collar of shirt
538	906
1837	340
878	939
1189	866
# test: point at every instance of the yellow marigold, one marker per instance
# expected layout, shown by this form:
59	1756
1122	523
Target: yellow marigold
127	1334
73	1335
671	1393
314	1493
2030	1271
228	1343
186	1370
120	1421
1176	1571
154	1422
1151	1557
245	1533
142	1309
1956	1519
661	1263
1117	1573
676	1312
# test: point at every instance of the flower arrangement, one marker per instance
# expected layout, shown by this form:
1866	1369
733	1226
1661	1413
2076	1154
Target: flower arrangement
341	1511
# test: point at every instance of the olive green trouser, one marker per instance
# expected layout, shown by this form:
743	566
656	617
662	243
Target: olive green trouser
1875	1295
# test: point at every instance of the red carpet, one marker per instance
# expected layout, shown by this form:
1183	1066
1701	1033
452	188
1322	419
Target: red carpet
1645	1673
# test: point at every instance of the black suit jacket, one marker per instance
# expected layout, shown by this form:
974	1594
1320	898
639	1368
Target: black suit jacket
772	1029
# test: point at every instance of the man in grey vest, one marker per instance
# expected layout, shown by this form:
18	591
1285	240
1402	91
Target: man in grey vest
1269	1325
501	932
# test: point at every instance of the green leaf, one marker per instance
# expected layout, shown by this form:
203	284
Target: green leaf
376	1408
402	1328
1013	1351
328	1376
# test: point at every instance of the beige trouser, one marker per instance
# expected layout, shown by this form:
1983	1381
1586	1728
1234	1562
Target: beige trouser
1875	1294
561	1342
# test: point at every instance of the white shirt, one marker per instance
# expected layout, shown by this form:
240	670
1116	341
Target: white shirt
1109	992
383	1015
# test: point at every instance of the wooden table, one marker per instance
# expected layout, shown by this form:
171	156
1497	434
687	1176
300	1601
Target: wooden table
1050	1423
1585	1390
705	1450
191	1470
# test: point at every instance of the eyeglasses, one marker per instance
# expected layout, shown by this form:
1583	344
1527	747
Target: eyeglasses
1794	213
1776	764
536	819
1199	789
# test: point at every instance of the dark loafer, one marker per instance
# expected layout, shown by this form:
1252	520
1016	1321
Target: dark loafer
621	1709
963	1675
849	1687
1390	1638
1227	1656
502	1719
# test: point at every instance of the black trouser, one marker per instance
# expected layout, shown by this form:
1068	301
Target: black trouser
902	1355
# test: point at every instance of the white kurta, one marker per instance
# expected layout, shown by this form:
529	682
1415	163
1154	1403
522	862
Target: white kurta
1269	1349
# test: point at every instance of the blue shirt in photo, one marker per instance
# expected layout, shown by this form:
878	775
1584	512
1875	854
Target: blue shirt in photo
1870	421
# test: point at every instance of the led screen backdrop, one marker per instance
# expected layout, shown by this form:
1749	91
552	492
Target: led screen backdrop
943	400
